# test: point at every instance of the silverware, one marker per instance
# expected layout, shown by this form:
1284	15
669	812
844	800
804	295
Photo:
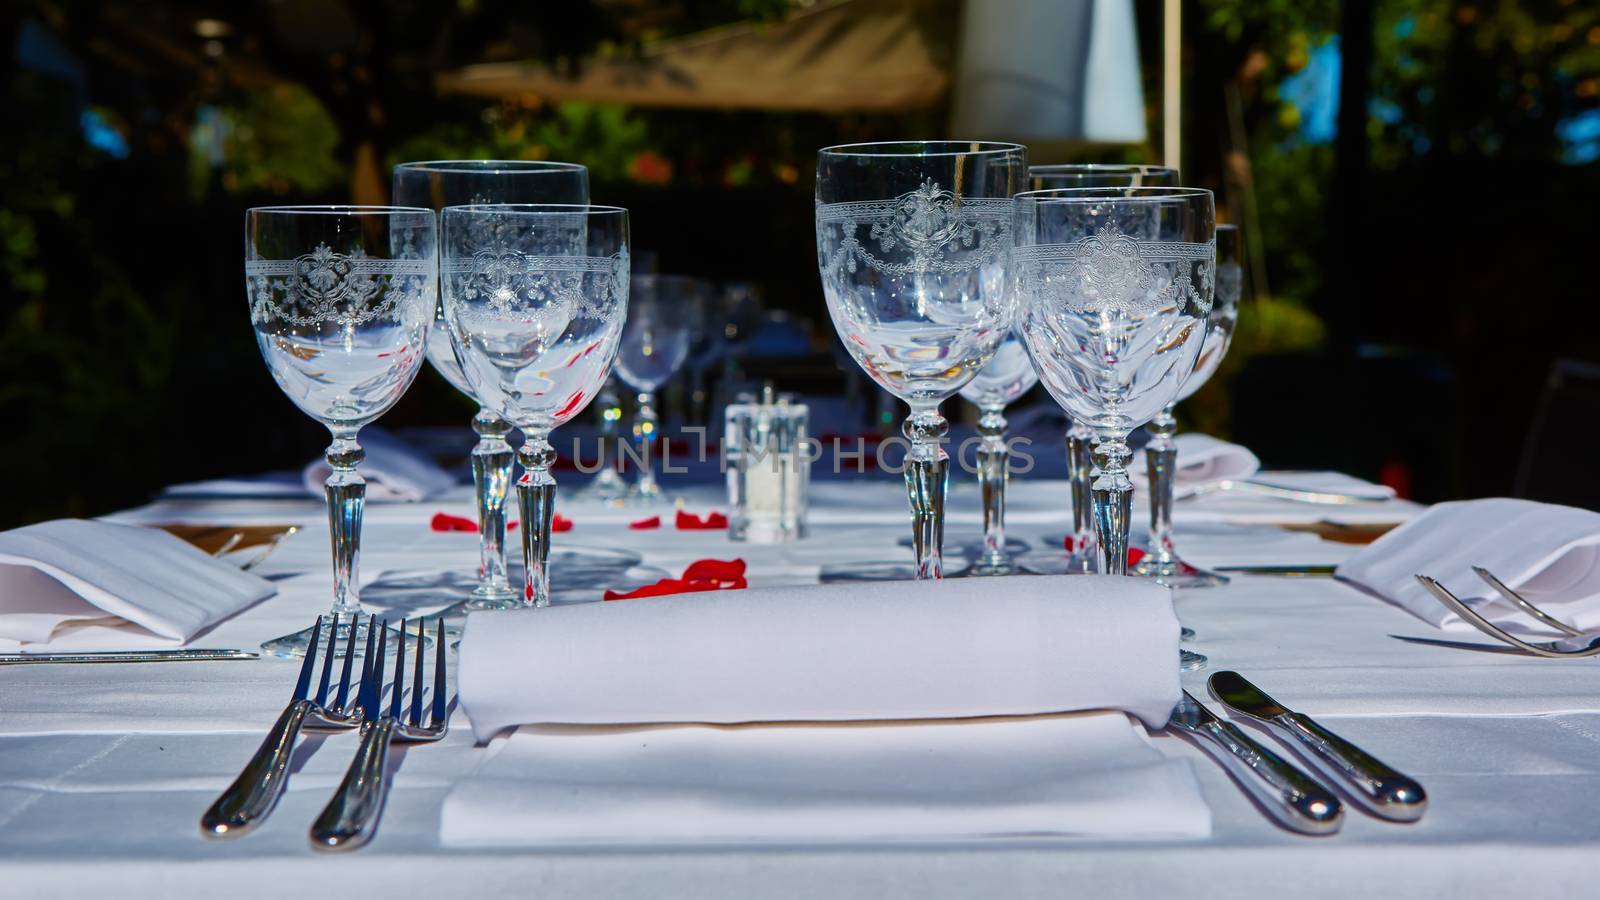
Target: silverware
125	656
261	557
1521	602
1284	792
1288	571
1281	491
351	817
1573	646
1378	788
232	542
251	797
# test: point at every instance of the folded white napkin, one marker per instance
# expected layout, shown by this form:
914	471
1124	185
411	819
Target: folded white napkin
1549	553
884	650
1073	774
1202	459
393	470
84	585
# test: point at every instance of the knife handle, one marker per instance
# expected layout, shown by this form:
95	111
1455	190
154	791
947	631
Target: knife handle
255	792
1286	793
1380	789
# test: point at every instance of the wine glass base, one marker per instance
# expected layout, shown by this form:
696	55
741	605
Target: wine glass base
1176	574
612	491
293	646
986	569
1059	564
1190	661
885	571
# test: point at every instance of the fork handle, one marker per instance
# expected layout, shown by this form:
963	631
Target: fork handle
351	817
255	792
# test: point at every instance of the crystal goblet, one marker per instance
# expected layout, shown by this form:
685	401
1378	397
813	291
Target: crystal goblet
913	244
534	298
457	182
1115	288
1081	559
341	299
1161	560
1006	378
662	318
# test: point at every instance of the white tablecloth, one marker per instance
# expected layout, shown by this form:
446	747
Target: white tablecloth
105	770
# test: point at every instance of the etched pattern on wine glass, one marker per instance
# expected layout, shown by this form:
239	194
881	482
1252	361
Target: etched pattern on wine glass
938	230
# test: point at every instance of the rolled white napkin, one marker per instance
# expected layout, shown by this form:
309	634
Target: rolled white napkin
885	650
1549	553
393	470
74	584
1203	459
1074	774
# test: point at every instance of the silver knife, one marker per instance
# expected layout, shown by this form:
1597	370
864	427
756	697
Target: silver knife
1379	789
1289	795
124	656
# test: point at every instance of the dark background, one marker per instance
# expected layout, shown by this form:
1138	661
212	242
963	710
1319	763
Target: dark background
1422	179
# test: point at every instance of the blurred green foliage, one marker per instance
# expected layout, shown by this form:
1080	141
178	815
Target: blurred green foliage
278	140
606	137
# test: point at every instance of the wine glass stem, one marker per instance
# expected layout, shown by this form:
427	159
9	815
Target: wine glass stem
1113	501
347	493
536	493
927	469
491	474
1080	465
993	461
610	414
1161	460
645	426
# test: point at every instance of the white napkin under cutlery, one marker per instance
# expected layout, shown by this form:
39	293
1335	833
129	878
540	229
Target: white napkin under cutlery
875	705
1549	553
74	584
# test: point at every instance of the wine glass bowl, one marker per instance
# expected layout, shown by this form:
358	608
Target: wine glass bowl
1116	287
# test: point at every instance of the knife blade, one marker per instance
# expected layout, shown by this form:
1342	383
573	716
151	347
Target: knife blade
124	656
1290	796
1375	786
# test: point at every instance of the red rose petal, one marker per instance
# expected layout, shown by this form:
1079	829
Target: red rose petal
691	522
645	524
700	575
560	523
447	522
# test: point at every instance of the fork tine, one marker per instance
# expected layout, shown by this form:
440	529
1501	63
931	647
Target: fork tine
372	669
1471	617
416	681
399	673
349	659
303	686
439	699
1522	603
327	661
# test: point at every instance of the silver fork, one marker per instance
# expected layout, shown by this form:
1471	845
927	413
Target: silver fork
251	797
1573	646
1522	603
351	817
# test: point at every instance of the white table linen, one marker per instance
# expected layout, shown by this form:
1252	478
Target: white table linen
73	584
1202	460
1549	553
104	770
393	470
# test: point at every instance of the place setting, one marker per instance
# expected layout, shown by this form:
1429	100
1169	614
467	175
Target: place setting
846	449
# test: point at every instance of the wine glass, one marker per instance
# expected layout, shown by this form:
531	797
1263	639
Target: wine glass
341	299
664	314
1161	560
534	299
458	182
1115	289
912	245
1081	559
1005	379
